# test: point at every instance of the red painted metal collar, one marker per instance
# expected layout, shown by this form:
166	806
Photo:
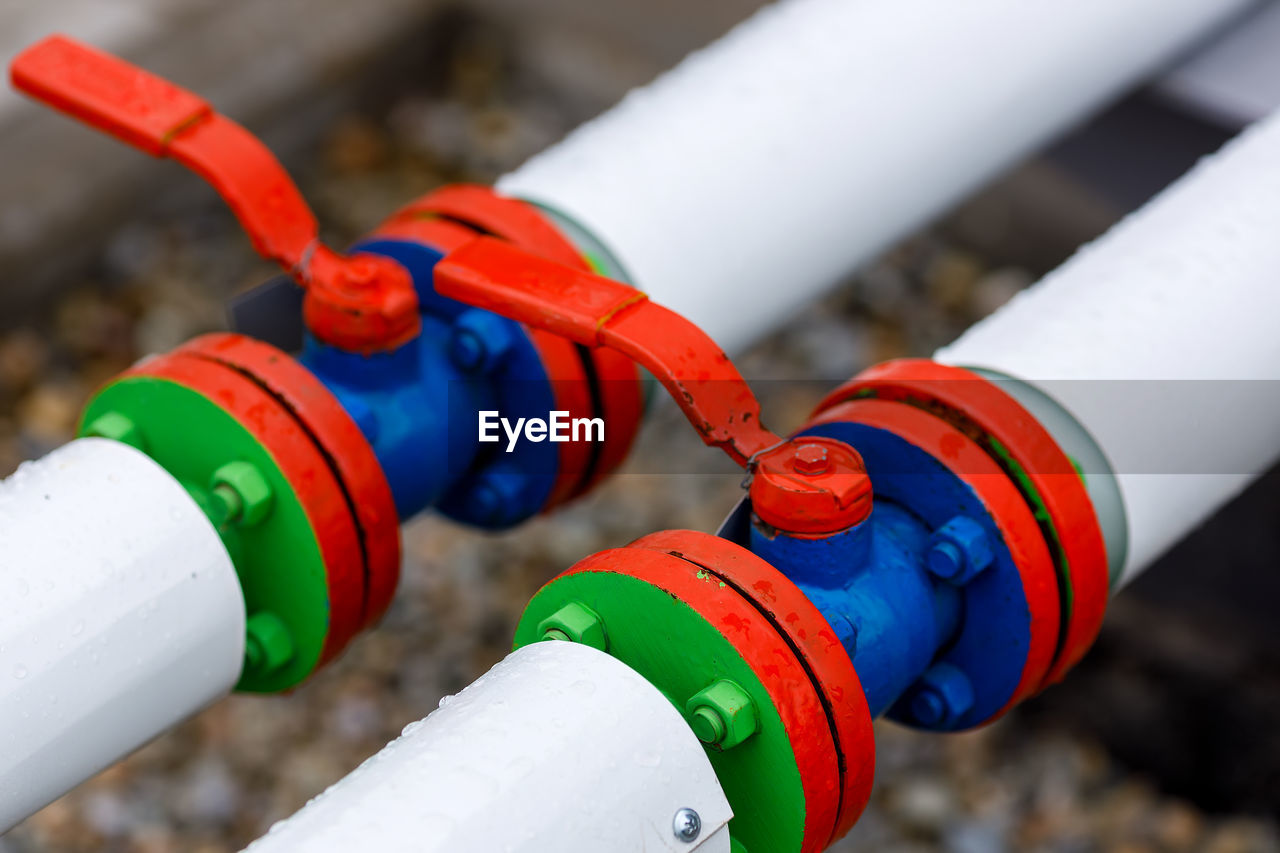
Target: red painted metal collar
364	303
479	207
302	462
344	447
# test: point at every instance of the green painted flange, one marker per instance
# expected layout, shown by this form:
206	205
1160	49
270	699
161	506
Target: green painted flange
277	558
681	653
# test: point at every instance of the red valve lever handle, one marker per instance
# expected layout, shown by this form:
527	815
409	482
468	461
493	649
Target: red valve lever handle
600	312
827	494
365	303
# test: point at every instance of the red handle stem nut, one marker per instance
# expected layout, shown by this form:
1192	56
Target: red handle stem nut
811	486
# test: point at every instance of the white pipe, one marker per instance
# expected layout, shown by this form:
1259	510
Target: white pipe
1160	340
558	747
120	614
742	184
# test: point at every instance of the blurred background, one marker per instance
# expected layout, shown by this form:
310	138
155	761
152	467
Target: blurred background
1165	739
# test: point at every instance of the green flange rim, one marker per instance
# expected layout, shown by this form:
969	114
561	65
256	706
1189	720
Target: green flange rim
680	653
278	561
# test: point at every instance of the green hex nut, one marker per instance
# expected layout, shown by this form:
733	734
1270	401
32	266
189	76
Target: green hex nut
116	427
267	644
246	492
722	715
577	623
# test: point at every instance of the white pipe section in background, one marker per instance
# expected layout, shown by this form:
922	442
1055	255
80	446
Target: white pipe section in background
765	167
1160	340
559	747
120	615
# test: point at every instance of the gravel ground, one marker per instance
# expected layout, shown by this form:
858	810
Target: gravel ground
1035	781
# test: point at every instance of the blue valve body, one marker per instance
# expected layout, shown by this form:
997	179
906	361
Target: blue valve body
419	405
936	652
870	581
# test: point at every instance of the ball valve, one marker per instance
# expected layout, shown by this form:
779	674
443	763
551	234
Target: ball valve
973	578
296	469
307	464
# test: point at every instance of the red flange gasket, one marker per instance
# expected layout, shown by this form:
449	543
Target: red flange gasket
620	398
1026	451
571	387
814	642
302	462
344	447
770	654
1014	519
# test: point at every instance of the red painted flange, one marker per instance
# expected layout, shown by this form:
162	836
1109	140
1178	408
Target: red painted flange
825	660
1006	506
484	210
345	448
302	462
620	401
571	388
441	234
772	656
1010	434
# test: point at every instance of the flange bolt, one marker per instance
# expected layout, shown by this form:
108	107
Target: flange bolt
245	495
497	496
268	644
480	340
576	623
959	551
722	715
116	427
941	696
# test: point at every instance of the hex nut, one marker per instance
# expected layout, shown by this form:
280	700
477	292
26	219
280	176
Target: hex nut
576	623
251	489
116	427
959	551
722	715
268	643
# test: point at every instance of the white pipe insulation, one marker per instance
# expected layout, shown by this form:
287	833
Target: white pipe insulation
120	615
761	170
1159	339
558	747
